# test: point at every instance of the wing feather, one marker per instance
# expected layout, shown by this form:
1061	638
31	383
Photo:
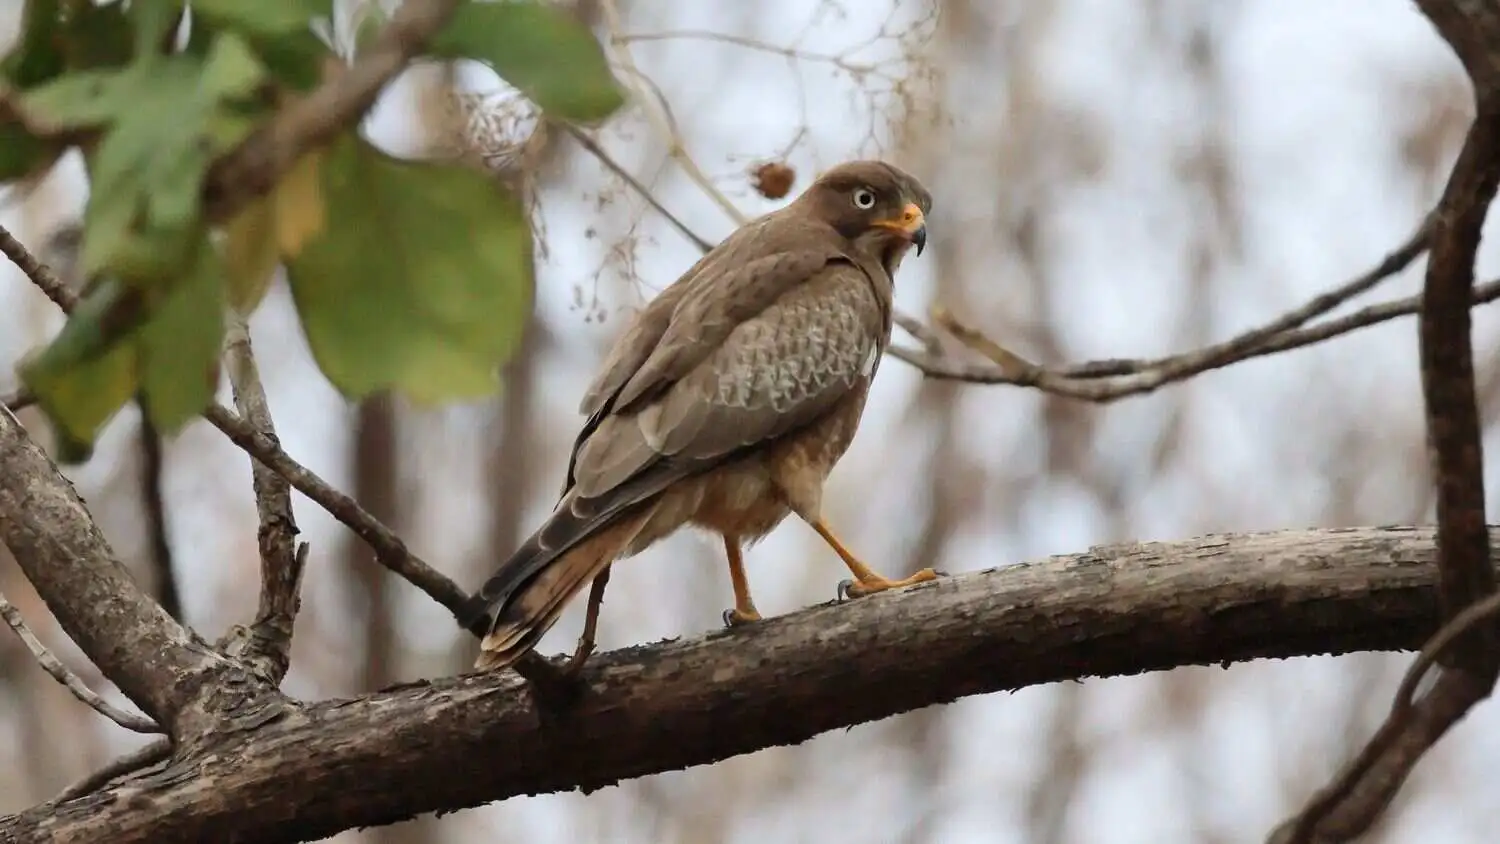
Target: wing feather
772	374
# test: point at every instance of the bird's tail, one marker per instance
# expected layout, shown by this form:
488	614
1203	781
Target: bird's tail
539	581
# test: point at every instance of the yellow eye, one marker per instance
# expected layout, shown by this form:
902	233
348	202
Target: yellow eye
864	199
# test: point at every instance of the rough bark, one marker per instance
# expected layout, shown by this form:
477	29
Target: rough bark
305	772
157	663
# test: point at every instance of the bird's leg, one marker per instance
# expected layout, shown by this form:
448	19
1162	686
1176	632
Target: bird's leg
866	580
744	611
590	624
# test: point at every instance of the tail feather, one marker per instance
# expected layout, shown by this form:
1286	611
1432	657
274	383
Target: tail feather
534	605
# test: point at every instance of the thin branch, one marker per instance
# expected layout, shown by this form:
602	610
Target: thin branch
40	274
1110	380
1469	619
269	644
19	400
456	742
153	494
72	682
661	118
614	166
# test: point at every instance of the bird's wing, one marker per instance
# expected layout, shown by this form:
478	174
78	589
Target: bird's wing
736	280
770	374
715	271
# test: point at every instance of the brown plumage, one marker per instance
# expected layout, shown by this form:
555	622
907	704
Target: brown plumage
726	402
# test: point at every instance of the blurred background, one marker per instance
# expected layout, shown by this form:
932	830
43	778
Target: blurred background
1111	179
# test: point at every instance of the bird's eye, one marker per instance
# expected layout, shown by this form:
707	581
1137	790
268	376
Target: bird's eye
864	198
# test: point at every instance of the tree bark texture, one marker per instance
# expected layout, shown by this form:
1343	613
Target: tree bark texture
305	771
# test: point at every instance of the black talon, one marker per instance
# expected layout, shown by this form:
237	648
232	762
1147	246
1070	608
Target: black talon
728	617
844	586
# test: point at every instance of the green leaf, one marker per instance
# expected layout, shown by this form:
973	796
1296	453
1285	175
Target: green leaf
549	56
35	57
422	280
117	344
87	372
231	70
170	116
153	22
296	59
80	99
270	227
262	17
179	346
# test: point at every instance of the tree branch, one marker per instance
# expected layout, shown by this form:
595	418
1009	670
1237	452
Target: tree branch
1110	380
154	661
460	742
1349	805
269	643
70	681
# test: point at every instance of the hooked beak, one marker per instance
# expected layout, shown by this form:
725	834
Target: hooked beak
912	224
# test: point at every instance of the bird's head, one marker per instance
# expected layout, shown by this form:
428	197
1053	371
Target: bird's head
880	208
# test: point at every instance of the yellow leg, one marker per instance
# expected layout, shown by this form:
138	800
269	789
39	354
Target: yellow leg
866	580
744	611
590	624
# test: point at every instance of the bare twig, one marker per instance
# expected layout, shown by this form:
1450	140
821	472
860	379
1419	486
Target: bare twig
40	274
153	495
19	400
660	117
269	644
72	682
1109	380
1468	619
635	184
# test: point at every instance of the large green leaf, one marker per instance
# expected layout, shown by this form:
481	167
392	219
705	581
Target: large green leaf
168	118
117	345
422	280
549	56
178	347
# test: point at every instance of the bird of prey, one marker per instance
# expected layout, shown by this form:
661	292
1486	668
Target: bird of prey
726	402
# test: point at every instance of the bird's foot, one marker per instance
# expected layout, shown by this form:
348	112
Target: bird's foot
870	585
738	617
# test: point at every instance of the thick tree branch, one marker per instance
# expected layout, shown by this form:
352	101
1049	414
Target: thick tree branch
154	661
1447	362
1351	803
460	742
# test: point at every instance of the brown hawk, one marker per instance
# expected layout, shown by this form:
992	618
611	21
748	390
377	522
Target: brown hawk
726	402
